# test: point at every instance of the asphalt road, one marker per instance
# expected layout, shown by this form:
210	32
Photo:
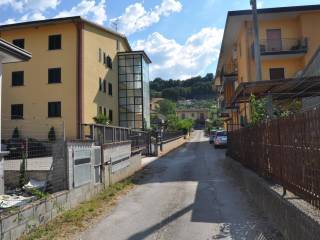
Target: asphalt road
185	195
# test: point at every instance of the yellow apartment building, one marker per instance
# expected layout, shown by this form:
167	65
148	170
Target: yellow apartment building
200	115
288	40
73	76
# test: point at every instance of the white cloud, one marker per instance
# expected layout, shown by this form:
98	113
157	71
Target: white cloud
32	5
260	4
136	18
173	60
91	9
27	17
88	8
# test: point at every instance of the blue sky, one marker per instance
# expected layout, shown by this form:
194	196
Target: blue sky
182	37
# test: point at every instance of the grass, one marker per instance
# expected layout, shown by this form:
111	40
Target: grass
77	219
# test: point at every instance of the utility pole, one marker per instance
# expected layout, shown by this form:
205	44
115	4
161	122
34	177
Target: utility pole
253	4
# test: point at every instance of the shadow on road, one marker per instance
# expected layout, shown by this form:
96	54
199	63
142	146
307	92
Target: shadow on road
219	198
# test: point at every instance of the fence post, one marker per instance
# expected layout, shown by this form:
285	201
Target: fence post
26	158
284	192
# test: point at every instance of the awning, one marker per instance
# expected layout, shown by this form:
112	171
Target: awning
278	89
10	53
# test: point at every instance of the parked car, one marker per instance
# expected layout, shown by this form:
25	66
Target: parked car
220	139
212	135
3	147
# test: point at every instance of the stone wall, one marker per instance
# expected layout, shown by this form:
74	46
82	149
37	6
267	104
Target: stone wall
40	212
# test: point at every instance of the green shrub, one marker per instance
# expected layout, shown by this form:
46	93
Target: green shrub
16	133
101	119
52	135
22	175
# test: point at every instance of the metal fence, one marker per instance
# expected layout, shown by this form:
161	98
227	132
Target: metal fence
35	157
285	150
101	134
168	136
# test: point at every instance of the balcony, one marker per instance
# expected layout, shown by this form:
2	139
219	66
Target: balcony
229	70
284	47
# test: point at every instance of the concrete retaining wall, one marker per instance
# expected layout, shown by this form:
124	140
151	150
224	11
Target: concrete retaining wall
294	218
112	178
170	145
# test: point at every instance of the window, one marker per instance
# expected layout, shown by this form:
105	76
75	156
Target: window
100	84
104	86
54	109
104	58
276	73
109	62
54	75
100	110
17	111
104	111
54	42
110	115
274	42
17	78
18	42
100	55
110	89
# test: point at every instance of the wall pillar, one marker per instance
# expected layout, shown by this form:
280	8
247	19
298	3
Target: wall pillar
2	154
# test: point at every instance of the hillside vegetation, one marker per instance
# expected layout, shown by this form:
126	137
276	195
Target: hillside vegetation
193	88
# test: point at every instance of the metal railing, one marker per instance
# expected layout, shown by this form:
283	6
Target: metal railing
102	134
283	44
284	150
168	136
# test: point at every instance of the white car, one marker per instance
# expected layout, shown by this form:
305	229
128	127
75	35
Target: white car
220	139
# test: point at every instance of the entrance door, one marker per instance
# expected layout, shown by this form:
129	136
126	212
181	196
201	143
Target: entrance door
276	73
274	42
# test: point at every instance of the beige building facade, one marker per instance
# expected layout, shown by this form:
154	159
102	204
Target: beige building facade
194	114
72	77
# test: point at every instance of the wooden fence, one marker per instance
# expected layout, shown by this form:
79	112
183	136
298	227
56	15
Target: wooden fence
285	150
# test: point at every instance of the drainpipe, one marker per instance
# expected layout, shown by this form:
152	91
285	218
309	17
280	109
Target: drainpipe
79	26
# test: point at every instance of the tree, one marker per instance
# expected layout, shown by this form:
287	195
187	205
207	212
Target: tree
16	133
172	122
185	125
52	135
258	108
22	172
167	107
193	88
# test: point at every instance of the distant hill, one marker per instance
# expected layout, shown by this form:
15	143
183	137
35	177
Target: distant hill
193	88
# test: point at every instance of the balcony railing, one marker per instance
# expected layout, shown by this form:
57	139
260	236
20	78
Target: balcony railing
285	45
